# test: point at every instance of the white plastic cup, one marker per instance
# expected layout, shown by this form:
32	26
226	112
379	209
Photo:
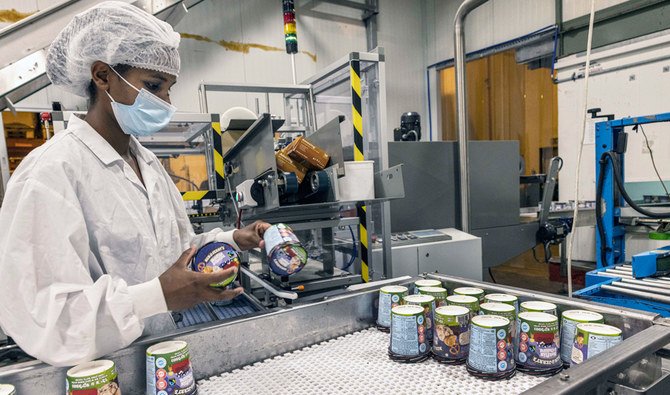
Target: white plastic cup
359	181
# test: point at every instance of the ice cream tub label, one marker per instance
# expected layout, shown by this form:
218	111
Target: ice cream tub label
539	342
428	304
7	389
500	309
451	338
538	306
169	370
286	256
408	331
426	283
490	352
95	377
569	321
470	302
471	291
390	296
214	257
440	294
503	298
591	339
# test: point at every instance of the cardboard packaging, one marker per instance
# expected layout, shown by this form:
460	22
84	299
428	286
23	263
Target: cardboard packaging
307	154
288	165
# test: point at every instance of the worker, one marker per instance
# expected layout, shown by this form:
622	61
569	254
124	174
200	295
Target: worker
93	230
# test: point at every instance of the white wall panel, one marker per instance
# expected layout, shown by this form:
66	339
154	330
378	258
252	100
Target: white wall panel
575	8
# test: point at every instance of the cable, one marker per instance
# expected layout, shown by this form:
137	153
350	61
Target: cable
184	179
492	278
354	254
587	72
618	180
651	154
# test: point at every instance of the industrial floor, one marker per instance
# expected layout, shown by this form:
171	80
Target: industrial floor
525	272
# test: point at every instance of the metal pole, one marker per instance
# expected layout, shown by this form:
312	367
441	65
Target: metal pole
295	77
636	294
461	106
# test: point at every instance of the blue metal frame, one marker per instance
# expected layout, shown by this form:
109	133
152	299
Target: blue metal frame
594	292
607	133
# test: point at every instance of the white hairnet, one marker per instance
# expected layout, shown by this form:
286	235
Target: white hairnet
115	33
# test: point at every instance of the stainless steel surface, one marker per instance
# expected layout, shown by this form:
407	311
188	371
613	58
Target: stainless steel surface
597	370
254	88
389	184
461	107
653	284
268	285
329	138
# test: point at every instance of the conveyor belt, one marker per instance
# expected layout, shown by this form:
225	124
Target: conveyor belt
356	364
205	312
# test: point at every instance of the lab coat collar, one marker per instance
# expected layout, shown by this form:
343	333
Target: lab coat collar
140	152
99	146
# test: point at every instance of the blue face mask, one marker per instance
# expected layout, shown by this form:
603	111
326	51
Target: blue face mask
146	116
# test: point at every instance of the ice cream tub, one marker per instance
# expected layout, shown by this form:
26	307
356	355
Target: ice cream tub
538	306
215	257
390	296
503	298
539	344
569	321
471	291
428	304
490	355
95	377
426	283
470	302
409	342
440	294
591	339
169	369
500	309
451	334
286	256
7	389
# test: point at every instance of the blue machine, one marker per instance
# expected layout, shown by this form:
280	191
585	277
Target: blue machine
652	263
614	282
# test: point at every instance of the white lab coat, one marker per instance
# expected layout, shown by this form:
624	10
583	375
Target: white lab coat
82	243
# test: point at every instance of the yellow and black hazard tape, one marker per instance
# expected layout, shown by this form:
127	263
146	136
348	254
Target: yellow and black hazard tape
357	120
218	155
198	195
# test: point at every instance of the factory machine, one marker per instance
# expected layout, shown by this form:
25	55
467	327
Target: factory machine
642	283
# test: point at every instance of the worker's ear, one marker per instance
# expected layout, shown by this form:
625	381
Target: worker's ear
100	74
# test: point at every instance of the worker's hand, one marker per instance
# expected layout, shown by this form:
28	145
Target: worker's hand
251	236
184	288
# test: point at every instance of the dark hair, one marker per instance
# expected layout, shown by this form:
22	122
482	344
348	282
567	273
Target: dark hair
92	90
